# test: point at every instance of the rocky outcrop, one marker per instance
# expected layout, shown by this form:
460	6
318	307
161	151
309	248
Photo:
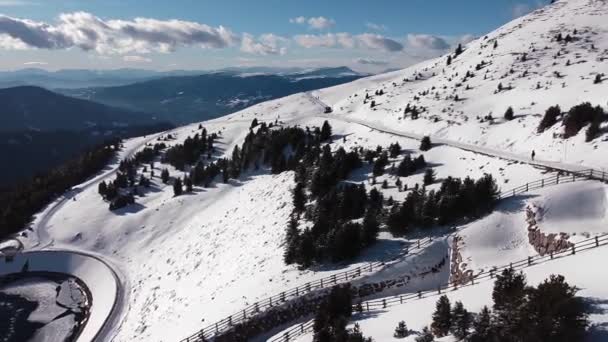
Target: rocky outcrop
459	275
544	243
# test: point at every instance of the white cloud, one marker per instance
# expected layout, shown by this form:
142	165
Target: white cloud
35	63
348	41
368	61
136	59
267	44
321	23
427	41
315	23
298	20
88	32
376	27
308	41
376	41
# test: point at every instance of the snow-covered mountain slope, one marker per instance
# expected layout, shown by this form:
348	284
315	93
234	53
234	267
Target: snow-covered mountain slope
191	260
564	71
502	238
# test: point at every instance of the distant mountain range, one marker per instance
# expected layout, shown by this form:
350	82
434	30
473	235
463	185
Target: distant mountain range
83	78
186	99
40	129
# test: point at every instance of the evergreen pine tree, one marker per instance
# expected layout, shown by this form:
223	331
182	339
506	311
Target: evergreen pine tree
425	336
509	299
598	79
325	131
550	118
292	238
442	317
461	321
299	198
482	327
102	188
401	330
425	143
554	313
189	185
509	114
429	177
593	131
164	176
177	187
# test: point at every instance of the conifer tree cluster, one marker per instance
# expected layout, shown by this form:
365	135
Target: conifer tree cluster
191	150
581	115
550	118
455	199
575	119
407	166
332	317
549	312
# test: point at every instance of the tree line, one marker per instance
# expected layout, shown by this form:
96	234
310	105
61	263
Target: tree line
456	199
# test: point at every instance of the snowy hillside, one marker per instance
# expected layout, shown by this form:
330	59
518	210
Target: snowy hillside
190	260
551	73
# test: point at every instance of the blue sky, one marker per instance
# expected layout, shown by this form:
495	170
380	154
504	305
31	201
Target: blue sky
204	34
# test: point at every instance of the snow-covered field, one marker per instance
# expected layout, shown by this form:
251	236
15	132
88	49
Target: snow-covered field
191	260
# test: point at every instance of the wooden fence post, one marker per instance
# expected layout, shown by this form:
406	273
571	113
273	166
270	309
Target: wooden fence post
542	183
367	306
302	328
384	303
321	282
529	260
573	249
334	278
551	254
597	242
229	320
557	179
419	294
400	299
286	336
